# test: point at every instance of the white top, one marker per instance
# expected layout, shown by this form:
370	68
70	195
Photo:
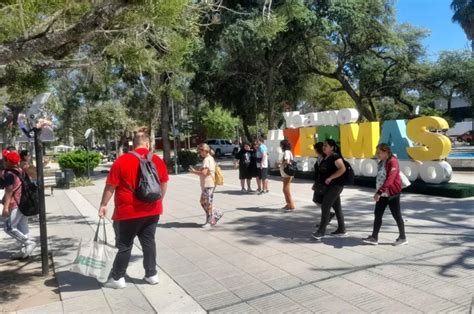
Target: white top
287	156
208	181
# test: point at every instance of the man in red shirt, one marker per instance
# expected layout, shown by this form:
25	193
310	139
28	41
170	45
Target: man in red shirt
131	216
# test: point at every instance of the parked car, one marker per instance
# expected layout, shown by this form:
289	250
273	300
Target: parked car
466	137
222	147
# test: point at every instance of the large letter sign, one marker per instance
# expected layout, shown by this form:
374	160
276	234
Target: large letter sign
394	133
436	146
418	149
359	140
307	136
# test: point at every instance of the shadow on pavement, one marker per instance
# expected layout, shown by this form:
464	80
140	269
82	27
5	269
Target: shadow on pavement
179	225
71	282
339	243
232	192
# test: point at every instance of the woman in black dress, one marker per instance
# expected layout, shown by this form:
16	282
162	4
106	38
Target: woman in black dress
243	161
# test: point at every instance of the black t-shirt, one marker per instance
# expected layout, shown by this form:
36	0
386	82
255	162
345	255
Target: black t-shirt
244	157
327	168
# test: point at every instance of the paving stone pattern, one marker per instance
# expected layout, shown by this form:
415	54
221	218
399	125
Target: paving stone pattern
261	259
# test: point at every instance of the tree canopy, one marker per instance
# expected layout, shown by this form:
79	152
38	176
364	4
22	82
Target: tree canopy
126	64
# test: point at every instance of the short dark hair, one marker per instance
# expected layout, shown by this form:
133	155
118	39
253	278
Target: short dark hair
11	148
318	147
285	145
23	154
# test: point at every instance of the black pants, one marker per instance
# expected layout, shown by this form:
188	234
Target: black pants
394	205
332	199
125	233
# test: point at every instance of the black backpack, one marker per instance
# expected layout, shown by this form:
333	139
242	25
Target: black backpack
349	174
148	189
28	204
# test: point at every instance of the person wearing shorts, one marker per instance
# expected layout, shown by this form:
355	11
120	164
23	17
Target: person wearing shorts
262	166
243	161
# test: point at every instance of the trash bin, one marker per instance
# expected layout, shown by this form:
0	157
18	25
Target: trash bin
68	177
59	178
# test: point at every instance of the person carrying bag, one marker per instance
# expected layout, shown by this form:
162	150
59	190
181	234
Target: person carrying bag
95	258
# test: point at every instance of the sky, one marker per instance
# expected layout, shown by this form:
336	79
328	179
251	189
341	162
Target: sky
434	15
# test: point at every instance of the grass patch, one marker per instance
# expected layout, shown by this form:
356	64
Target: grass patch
78	182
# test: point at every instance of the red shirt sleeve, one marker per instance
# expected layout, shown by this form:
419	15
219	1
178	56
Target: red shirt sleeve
162	169
113	178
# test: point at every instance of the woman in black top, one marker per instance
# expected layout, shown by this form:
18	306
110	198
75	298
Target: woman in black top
243	161
318	199
330	183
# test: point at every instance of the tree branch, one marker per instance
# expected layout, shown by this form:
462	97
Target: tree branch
60	43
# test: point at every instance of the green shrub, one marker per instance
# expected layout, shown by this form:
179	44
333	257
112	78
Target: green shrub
187	158
77	161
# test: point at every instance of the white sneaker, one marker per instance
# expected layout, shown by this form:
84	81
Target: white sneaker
153	280
115	284
30	247
18	255
206	225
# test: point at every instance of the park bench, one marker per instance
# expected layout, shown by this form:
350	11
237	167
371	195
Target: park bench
49	181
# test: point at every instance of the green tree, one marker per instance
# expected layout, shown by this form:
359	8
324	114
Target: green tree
359	44
450	76
219	123
245	64
464	15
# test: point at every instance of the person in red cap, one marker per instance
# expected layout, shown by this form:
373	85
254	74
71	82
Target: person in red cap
16	224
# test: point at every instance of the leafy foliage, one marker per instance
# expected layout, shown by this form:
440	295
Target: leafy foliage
464	15
219	123
187	158
79	161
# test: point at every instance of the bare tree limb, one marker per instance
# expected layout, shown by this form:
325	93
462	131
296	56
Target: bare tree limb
60	43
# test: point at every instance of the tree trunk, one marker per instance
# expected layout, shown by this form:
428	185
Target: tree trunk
247	131
152	129
450	101
165	124
270	107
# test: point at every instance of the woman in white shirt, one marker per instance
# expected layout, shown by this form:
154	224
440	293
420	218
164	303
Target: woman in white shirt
287	159
206	175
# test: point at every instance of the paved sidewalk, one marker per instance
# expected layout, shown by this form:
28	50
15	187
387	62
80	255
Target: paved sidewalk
261	259
72	218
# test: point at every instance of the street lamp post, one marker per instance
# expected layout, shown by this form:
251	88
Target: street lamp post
42	204
34	120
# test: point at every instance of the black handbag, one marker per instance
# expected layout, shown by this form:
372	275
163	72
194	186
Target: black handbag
291	168
319	191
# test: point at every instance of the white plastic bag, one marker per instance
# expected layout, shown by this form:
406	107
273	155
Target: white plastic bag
95	259
405	182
